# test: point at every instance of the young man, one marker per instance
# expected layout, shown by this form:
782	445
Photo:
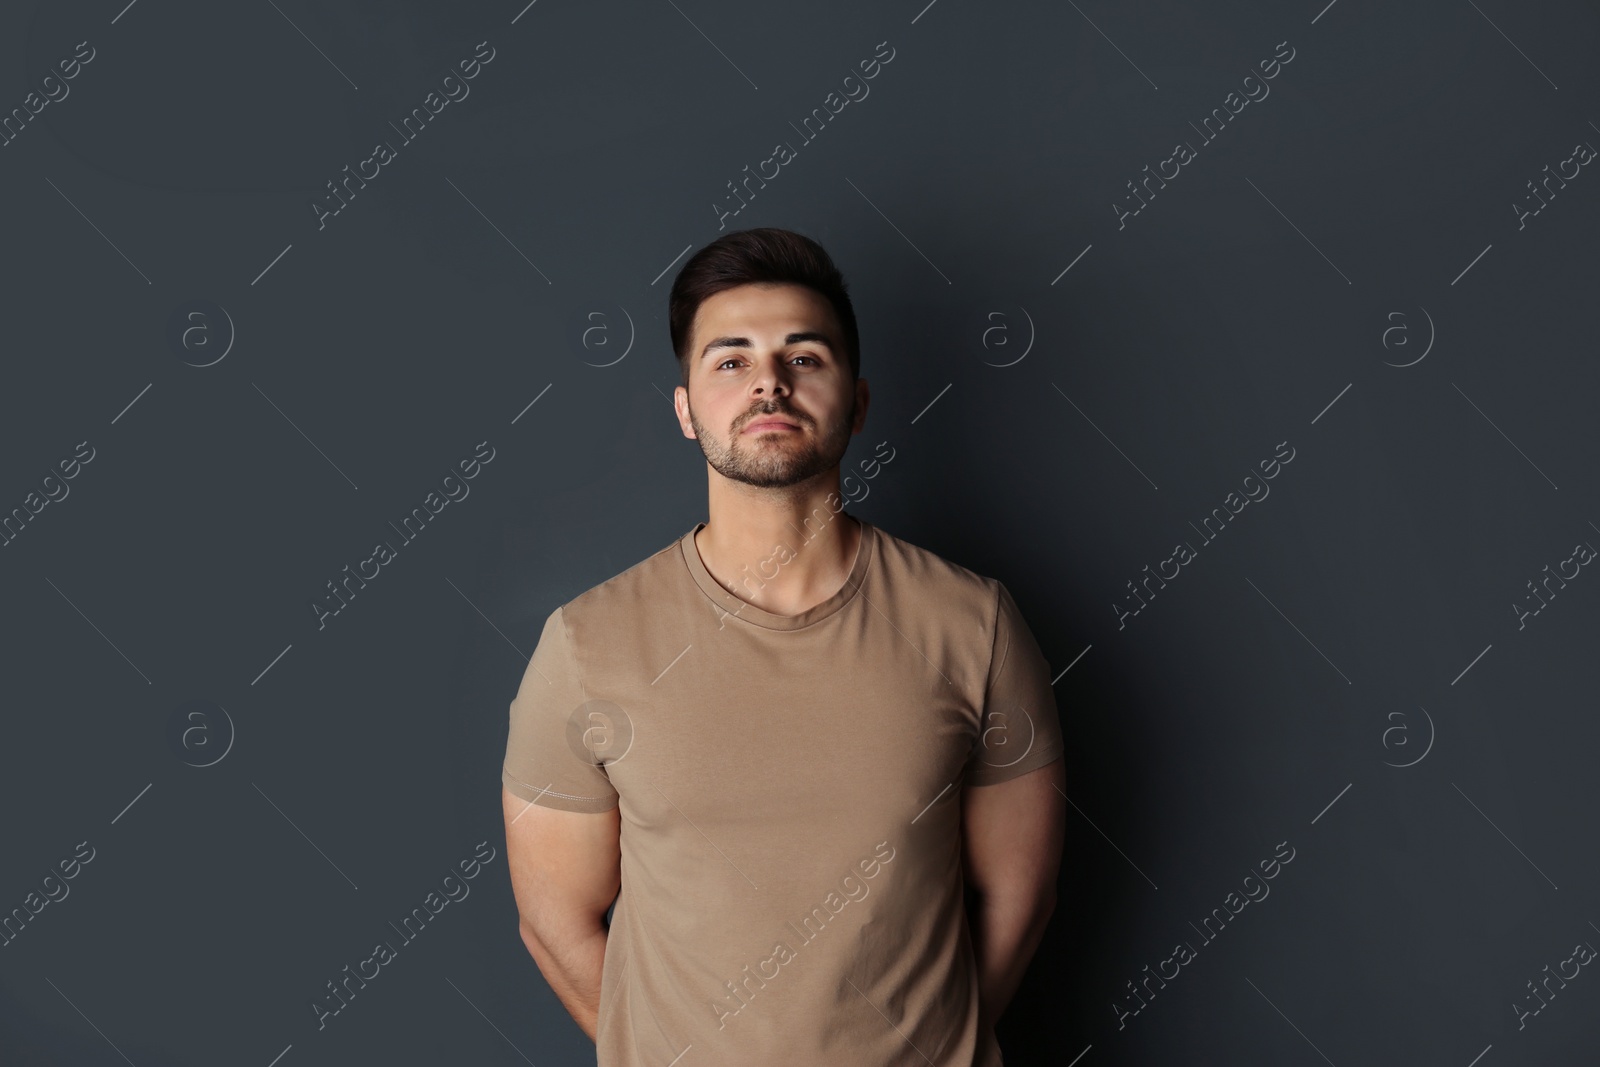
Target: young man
815	766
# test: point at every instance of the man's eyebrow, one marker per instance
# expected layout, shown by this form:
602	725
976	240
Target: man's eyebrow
798	338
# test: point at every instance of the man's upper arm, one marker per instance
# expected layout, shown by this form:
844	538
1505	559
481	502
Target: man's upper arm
1019	730
1013	812
561	813
1011	835
564	864
554	729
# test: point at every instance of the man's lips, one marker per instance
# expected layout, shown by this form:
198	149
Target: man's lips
770	424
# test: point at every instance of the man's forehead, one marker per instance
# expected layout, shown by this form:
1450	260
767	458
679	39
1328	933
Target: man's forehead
761	319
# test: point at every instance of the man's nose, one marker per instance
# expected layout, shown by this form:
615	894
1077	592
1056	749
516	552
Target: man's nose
771	380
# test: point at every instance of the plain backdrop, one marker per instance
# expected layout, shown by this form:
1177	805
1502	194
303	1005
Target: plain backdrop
1369	659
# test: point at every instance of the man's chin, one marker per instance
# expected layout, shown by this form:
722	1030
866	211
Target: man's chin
770	478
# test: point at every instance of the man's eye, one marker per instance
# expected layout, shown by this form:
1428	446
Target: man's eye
734	359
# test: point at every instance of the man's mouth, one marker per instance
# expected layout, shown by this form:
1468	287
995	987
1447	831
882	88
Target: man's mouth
770	424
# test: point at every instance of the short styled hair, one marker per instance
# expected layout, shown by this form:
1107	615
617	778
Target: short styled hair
763	256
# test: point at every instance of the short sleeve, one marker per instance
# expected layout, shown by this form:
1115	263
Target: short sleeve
1020	730
546	759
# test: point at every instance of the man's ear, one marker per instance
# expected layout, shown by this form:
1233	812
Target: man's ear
680	407
863	401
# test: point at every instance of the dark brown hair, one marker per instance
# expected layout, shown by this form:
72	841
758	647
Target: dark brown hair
760	256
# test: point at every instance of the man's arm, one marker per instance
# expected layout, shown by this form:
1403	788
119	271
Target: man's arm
1011	850
565	872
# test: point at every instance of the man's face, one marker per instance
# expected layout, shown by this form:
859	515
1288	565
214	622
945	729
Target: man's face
765	352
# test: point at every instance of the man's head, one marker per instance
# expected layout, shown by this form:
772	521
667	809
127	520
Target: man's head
763	328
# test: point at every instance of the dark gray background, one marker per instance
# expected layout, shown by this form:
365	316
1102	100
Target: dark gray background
1358	617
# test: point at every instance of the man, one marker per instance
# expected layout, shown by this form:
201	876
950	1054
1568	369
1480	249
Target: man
820	764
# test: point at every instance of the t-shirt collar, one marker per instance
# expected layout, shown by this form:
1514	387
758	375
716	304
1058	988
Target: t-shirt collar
748	612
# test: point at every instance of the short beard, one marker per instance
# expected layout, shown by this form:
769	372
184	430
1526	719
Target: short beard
775	467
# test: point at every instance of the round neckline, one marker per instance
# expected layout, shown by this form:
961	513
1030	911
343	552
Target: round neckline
742	609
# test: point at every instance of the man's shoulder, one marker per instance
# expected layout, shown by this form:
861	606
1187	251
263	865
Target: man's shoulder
925	574
650	578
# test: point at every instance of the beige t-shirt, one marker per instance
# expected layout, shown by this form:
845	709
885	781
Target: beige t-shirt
790	793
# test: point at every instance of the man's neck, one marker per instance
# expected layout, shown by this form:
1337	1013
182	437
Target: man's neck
783	559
